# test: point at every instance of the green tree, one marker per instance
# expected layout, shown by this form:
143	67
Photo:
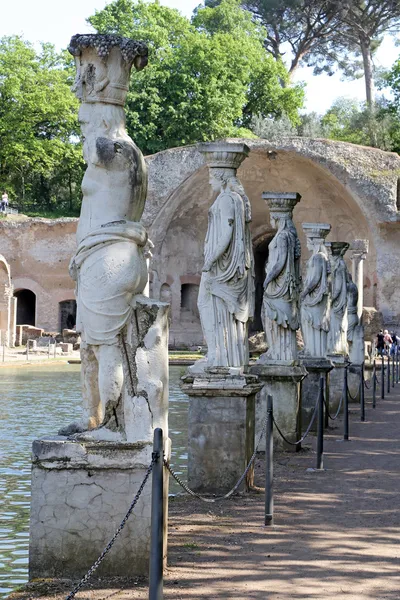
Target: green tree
40	155
205	80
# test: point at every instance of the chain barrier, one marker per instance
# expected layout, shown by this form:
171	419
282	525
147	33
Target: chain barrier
235	487
106	550
338	410
353	398
307	430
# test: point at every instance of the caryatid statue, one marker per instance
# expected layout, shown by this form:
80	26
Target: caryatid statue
337	337
352	308
109	265
226	295
280	312
315	297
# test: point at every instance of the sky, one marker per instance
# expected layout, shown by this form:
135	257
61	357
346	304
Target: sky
56	21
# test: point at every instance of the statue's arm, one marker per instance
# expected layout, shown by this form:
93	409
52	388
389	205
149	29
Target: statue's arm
313	281
227	222
273	271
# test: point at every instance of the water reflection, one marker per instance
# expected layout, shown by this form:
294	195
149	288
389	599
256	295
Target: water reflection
36	402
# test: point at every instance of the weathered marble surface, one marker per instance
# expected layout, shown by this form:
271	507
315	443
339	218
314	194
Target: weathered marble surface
315	297
81	493
221	428
280	311
359	254
337	337
226	295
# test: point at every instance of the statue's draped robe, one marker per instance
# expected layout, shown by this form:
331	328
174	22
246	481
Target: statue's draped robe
226	295
280	302
353	320
108	266
337	338
315	307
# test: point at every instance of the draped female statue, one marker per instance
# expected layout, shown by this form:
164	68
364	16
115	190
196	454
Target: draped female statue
280	312
315	297
226	295
337	337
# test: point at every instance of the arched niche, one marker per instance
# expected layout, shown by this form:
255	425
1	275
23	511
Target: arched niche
26	307
67	314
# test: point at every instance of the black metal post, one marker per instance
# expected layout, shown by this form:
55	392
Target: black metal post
362	393
397	365
326	400
346	406
157	520
269	465
374	385
382	377
393	373
320	438
388	374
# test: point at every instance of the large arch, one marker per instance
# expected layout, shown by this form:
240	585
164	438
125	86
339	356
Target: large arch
330	193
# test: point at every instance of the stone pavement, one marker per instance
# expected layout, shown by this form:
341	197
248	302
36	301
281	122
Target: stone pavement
336	533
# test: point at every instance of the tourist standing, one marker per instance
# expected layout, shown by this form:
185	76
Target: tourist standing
380	345
4	201
388	340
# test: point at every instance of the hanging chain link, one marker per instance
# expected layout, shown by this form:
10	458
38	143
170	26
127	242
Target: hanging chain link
307	430
106	550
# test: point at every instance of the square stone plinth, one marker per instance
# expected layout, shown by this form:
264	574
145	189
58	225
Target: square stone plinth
336	379
282	382
316	368
220	429
80	494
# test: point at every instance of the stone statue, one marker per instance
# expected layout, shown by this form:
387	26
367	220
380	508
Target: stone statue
315	297
226	295
280	313
337	337
109	265
352	304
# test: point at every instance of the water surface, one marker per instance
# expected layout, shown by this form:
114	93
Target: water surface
36	401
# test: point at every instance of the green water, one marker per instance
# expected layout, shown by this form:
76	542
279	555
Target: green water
35	402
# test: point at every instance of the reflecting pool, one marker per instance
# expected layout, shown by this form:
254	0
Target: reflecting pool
35	402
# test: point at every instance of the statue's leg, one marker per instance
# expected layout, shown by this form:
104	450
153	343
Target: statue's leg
111	376
93	414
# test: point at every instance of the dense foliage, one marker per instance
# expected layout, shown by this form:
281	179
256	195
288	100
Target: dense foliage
40	157
206	79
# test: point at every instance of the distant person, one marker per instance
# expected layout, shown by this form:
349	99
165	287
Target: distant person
70	321
380	344
395	343
4	201
388	340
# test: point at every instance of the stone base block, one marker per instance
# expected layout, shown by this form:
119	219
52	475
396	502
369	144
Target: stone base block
220	429
282	383
316	368
336	380
80	493
354	382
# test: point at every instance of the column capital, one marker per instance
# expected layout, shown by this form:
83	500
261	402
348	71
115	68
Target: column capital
359	249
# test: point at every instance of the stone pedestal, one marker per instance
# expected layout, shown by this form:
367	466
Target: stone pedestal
316	368
336	379
282	382
80	493
221	424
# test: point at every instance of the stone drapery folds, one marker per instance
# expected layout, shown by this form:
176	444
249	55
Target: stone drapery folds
280	312
226	295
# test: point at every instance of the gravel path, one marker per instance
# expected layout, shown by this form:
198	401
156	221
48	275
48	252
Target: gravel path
336	533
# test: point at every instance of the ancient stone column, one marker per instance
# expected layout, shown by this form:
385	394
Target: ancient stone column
315	306
84	479
359	254
279	368
221	417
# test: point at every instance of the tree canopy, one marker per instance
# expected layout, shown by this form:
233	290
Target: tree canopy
205	79
40	161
